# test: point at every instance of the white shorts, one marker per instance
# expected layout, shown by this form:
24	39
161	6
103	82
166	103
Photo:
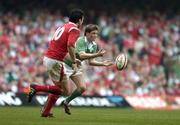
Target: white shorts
58	70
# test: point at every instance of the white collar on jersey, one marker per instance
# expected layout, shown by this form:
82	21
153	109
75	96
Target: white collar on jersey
72	23
93	42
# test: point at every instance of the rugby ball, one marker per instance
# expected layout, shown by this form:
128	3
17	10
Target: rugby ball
121	61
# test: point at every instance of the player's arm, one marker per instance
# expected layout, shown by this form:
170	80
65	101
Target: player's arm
73	36
81	51
94	62
83	55
71	51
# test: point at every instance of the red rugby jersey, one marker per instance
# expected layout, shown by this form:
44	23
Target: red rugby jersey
64	36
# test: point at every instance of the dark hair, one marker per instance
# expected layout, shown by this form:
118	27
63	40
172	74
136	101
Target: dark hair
75	15
90	27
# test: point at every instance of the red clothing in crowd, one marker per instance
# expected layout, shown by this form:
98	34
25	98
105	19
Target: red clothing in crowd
155	55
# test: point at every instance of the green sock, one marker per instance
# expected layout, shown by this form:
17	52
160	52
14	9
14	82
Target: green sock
75	94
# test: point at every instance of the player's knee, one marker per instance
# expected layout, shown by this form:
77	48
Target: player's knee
82	89
66	93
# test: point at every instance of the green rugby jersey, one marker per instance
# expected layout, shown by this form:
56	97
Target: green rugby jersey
83	45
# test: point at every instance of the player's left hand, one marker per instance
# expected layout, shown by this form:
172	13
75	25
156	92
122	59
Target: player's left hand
78	62
107	63
75	68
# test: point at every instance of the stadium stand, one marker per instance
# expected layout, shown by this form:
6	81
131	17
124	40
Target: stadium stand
149	34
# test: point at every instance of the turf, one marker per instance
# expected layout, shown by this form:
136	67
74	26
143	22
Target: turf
88	116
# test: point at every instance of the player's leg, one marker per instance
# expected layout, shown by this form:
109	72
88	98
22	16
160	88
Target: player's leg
46	110
54	89
65	88
53	98
77	78
55	70
81	87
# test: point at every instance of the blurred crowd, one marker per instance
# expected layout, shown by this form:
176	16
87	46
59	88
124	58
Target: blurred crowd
152	42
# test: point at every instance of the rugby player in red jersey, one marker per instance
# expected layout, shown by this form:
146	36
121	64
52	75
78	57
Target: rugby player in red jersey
62	43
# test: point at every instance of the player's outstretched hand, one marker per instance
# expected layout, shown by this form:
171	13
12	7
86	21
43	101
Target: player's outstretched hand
107	63
101	52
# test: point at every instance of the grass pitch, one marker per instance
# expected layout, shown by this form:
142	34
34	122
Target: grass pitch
88	116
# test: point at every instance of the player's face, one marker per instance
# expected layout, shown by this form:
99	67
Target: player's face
92	35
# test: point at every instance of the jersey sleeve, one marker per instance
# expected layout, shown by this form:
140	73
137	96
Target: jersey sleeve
73	36
80	46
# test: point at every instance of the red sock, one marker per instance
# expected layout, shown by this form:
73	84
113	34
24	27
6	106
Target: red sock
51	89
49	104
